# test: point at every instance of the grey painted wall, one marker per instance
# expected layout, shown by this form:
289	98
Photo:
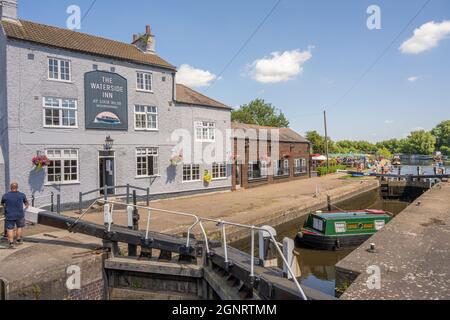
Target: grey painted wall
28	84
4	180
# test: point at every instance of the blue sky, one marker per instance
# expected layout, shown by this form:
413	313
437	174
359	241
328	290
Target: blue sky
328	40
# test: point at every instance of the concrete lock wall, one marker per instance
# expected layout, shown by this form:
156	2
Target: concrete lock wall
27	85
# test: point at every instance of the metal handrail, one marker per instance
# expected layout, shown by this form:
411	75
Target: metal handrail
222	223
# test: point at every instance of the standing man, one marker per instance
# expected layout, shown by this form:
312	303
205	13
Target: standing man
14	202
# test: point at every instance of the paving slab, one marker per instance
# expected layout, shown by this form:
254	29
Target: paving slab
412	253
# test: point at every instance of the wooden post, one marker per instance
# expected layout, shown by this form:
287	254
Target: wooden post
326	141
132	249
80	202
52	200
148	197
58	203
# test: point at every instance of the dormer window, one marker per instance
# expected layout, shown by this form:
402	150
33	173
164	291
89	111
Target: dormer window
144	81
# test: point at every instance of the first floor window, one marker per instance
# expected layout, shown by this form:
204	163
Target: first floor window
60	113
205	131
219	170
63	167
144	81
147	162
59	69
146	117
300	166
191	172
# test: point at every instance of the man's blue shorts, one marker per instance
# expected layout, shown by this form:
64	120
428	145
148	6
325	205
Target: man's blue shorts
12	224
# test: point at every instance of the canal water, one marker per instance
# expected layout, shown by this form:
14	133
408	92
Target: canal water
318	267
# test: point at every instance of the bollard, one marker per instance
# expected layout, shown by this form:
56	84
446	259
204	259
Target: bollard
288	252
267	249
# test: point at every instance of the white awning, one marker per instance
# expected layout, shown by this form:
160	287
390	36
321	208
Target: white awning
320	158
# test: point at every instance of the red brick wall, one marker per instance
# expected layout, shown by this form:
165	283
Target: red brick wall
91	291
294	150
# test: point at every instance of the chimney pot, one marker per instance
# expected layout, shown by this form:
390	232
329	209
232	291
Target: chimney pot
135	37
147	29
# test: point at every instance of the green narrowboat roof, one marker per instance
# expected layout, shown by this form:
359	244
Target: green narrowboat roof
349	215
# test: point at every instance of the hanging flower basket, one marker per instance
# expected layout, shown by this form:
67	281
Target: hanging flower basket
40	162
207	177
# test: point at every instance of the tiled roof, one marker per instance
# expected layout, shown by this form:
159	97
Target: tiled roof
80	42
286	134
188	96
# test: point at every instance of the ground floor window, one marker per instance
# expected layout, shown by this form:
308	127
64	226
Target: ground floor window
257	170
300	166
191	172
147	162
281	168
219	170
63	166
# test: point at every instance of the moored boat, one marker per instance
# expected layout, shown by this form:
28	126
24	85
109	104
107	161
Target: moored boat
337	230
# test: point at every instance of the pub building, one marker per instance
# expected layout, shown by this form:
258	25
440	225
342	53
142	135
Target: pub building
103	112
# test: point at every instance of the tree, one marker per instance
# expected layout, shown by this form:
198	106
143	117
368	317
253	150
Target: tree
385	153
420	142
260	113
442	134
317	141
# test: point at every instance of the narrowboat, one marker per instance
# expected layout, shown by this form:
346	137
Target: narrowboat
338	230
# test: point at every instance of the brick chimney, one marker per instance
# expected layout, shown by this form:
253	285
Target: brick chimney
8	10
145	42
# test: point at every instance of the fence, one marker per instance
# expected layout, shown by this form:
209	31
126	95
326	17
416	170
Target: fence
128	188
198	221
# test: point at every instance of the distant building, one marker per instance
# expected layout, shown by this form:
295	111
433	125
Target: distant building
102	111
266	155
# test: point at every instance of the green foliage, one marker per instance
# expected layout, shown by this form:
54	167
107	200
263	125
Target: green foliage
442	134
322	171
445	150
420	142
260	113
385	153
317	141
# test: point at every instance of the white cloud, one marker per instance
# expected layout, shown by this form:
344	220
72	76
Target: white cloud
426	37
195	78
389	121
280	67
413	79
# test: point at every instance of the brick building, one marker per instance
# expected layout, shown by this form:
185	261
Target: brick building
266	155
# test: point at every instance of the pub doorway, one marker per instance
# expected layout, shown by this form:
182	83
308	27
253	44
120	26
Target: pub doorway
107	169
